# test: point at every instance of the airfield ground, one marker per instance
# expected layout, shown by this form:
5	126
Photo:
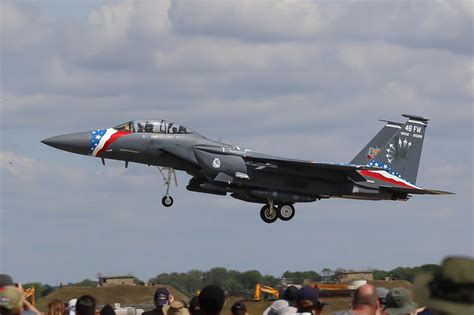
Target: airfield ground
143	296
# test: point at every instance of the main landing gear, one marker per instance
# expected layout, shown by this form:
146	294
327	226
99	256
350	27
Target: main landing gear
168	174
271	212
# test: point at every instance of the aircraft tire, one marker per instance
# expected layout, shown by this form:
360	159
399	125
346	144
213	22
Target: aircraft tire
167	201
268	216
286	212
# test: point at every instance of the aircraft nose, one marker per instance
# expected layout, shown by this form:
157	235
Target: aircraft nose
74	142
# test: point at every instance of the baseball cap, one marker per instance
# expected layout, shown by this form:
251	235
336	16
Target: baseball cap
161	296
71	307
6	280
450	288
11	298
399	302
308	293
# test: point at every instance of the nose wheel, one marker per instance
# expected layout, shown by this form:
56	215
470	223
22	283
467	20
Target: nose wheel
167	201
168	174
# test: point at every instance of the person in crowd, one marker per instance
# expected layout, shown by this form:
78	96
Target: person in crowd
288	295
211	300
161	298
366	301
85	305
107	310
382	295
399	302
176	308
71	307
280	307
239	308
450	290
11	301
56	307
194	308
27	308
308	301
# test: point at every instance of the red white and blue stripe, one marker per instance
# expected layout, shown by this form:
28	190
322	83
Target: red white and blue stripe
101	139
386	174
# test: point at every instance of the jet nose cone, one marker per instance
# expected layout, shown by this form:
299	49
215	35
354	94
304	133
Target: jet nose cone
74	142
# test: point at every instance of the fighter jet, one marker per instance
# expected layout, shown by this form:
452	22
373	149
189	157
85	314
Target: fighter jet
385	169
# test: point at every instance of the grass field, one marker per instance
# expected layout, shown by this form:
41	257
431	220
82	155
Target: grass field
136	295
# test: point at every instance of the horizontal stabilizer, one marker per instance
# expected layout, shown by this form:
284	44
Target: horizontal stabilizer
416	117
420	191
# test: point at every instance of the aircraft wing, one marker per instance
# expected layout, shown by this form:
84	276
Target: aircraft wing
316	170
420	191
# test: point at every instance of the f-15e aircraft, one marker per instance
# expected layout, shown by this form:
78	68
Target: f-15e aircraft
385	169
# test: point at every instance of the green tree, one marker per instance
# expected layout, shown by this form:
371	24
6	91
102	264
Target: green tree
327	273
47	289
250	278
86	283
298	277
380	274
215	276
270	280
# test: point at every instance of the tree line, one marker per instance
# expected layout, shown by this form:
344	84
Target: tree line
229	280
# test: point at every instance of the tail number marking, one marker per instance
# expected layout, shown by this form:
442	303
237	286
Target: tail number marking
411	128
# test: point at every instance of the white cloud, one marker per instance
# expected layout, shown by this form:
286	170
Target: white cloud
22	27
257	21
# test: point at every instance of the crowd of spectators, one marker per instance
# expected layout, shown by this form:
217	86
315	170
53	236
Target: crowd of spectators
450	291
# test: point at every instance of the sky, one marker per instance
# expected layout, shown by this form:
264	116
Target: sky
300	79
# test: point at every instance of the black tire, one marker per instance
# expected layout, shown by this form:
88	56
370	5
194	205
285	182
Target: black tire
167	201
267	216
286	212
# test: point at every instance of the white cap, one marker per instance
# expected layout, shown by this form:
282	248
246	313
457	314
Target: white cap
71	307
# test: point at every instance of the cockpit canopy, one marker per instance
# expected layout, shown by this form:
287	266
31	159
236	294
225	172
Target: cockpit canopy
153	126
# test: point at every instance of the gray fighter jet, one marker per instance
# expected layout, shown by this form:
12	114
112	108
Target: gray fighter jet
385	169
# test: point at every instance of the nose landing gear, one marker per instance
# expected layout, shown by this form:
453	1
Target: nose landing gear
167	201
168	174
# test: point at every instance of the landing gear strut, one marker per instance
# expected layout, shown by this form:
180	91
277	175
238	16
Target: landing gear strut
271	212
268	213
168	174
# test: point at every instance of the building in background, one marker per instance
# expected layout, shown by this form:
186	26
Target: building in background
348	276
105	281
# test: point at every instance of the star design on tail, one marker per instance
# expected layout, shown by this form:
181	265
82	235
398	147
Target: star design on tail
398	149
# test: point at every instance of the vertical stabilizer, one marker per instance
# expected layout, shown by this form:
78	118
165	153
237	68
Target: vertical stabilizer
375	145
402	153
